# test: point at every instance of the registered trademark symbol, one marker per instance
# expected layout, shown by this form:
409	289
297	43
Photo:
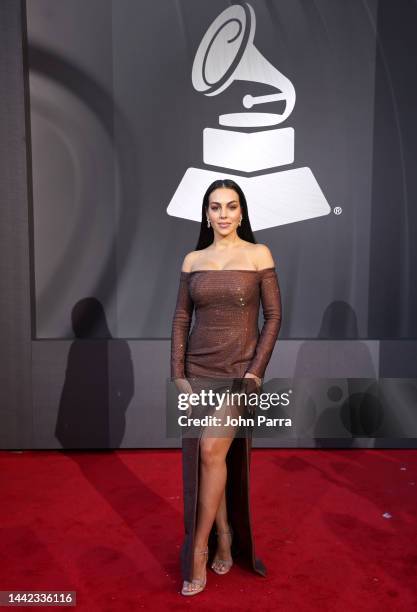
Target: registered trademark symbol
337	210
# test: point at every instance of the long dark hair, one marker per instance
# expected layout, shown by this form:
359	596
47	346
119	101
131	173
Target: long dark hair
244	230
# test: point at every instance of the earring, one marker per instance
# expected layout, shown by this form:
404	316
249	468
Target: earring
208	222
240	222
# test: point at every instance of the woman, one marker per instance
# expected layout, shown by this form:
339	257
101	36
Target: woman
224	280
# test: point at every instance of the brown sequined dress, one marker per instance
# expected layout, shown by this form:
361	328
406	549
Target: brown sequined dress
224	343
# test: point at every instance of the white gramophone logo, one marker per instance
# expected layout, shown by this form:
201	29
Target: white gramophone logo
245	142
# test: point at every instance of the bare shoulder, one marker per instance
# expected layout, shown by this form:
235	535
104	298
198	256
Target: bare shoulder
188	261
263	257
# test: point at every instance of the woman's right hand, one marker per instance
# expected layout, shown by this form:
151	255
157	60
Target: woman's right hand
184	386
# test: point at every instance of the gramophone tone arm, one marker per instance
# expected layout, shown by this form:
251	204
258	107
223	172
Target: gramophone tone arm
249	101
255	67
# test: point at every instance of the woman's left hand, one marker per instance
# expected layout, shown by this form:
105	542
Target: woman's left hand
257	379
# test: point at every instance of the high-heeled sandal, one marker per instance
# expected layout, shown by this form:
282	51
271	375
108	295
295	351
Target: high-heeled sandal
199	582
226	563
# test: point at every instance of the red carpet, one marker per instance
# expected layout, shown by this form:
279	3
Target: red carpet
108	525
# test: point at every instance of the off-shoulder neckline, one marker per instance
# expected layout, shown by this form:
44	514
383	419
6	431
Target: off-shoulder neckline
229	270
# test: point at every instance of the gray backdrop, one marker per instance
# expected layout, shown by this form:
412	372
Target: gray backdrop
116	122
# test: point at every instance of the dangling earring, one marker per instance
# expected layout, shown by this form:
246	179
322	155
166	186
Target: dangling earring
208	222
240	222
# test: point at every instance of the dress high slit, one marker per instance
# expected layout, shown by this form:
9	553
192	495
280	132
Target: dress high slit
223	345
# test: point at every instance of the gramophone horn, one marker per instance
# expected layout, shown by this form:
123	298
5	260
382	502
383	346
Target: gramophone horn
227	53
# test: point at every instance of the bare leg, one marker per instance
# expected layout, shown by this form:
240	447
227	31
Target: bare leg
221	515
212	482
213	474
223	536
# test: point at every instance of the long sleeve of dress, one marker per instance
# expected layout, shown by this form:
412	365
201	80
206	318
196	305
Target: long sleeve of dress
272	309
180	327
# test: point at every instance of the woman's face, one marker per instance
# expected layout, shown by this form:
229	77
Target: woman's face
224	210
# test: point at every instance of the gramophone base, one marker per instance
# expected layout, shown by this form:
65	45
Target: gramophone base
248	151
274	199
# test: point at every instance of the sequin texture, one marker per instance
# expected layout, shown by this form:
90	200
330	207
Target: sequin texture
225	338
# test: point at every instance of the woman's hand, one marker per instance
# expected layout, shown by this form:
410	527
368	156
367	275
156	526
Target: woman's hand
257	379
184	386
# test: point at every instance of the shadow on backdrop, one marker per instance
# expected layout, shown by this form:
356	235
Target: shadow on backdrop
99	383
